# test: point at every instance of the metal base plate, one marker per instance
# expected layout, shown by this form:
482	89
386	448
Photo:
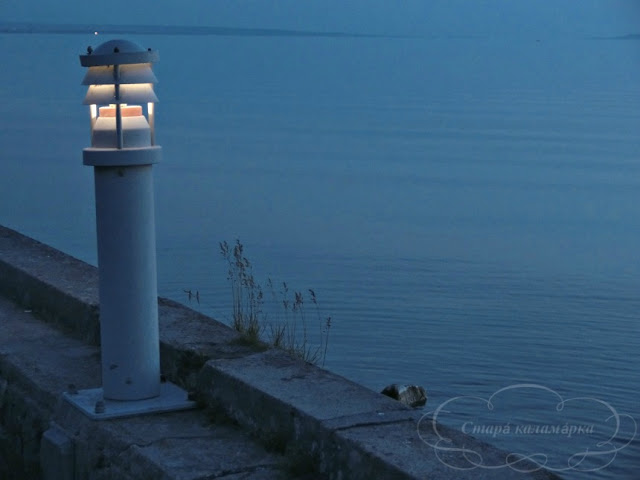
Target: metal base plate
172	398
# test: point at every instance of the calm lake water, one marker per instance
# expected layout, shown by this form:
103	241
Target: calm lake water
466	210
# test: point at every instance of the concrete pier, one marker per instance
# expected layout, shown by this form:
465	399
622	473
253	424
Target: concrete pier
262	414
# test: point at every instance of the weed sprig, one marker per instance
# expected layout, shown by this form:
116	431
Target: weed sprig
288	329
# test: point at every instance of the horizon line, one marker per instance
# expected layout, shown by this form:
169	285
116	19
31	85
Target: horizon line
68	28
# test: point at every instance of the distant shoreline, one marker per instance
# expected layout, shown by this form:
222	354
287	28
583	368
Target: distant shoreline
84	29
173	30
630	36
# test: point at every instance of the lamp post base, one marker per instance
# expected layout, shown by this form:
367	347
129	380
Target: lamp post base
93	404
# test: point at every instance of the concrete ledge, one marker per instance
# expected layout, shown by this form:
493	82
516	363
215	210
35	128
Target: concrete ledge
265	414
62	289
344	428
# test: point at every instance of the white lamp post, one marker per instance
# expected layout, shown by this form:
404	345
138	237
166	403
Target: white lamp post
122	153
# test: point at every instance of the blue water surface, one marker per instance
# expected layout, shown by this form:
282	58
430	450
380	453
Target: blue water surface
465	209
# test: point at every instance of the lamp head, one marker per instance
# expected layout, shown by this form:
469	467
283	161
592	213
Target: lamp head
118	52
120	74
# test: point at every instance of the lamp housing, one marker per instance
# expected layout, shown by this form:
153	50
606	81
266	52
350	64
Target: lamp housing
120	82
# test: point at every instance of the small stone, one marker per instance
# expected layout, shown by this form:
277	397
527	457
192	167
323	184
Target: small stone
411	395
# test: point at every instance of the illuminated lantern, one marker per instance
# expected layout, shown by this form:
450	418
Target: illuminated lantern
122	152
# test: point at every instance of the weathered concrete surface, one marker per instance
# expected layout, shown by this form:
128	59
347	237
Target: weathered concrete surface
264	414
188	339
38	362
346	429
63	289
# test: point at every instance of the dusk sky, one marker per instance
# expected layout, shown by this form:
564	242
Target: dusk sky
465	17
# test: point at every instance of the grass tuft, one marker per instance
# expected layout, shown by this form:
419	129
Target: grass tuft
287	327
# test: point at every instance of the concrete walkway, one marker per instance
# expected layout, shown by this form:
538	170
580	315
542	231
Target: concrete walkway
38	362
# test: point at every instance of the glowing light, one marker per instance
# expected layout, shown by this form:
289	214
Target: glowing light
125	111
132	73
95	33
130	93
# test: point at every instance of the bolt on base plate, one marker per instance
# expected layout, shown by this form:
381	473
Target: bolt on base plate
93	404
